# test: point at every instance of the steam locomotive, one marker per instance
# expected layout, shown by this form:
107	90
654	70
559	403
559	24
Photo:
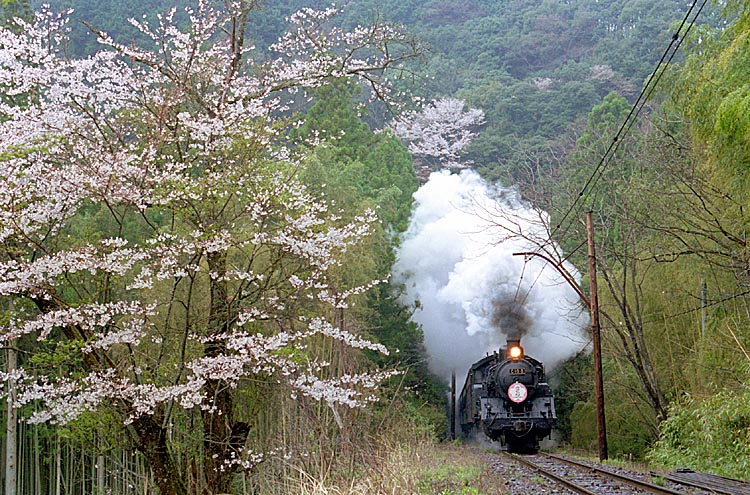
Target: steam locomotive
506	395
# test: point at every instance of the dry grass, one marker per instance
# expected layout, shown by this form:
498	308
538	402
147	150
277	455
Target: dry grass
418	469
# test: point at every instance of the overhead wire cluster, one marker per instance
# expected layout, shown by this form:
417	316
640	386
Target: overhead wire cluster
648	88
632	116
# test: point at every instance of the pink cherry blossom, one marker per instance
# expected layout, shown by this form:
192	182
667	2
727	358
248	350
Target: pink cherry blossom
152	218
441	131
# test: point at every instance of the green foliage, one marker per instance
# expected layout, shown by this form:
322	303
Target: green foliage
535	68
538	70
572	384
629	423
56	354
10	9
733	123
711	89
603	119
583	421
355	169
607	187
707	434
425	393
111	18
671	206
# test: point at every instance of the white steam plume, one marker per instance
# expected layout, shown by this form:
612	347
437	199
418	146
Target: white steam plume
457	266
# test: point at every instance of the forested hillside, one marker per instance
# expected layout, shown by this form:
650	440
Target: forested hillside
198	223
534	68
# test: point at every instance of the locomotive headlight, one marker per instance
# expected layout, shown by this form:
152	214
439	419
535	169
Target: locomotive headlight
515	352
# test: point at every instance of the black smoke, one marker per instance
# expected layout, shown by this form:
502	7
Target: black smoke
510	318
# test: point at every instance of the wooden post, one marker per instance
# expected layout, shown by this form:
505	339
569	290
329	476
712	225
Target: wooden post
595	330
593	303
453	406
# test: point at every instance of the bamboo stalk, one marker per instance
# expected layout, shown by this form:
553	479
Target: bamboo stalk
37	464
11	429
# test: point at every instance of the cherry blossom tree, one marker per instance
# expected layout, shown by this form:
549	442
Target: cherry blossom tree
154	236
438	134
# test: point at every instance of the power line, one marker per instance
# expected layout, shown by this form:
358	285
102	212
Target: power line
630	119
694	310
624	129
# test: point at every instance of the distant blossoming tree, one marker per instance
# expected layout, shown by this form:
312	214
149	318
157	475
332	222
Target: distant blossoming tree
438	134
153	233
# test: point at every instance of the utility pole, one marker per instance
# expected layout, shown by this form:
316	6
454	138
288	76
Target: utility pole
593	303
595	331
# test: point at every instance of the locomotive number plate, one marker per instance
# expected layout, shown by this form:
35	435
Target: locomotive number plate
516	371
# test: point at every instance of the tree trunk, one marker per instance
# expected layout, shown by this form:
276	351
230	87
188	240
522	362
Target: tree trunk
100	473
152	441
58	464
217	426
633	341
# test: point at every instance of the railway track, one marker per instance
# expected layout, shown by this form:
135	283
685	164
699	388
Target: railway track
709	482
587	480
590	479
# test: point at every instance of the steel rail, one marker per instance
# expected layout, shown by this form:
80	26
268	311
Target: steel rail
558	479
625	479
709	482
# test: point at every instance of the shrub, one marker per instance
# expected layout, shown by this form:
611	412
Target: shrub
707	434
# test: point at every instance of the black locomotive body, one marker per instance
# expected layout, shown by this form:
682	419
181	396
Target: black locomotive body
507	397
